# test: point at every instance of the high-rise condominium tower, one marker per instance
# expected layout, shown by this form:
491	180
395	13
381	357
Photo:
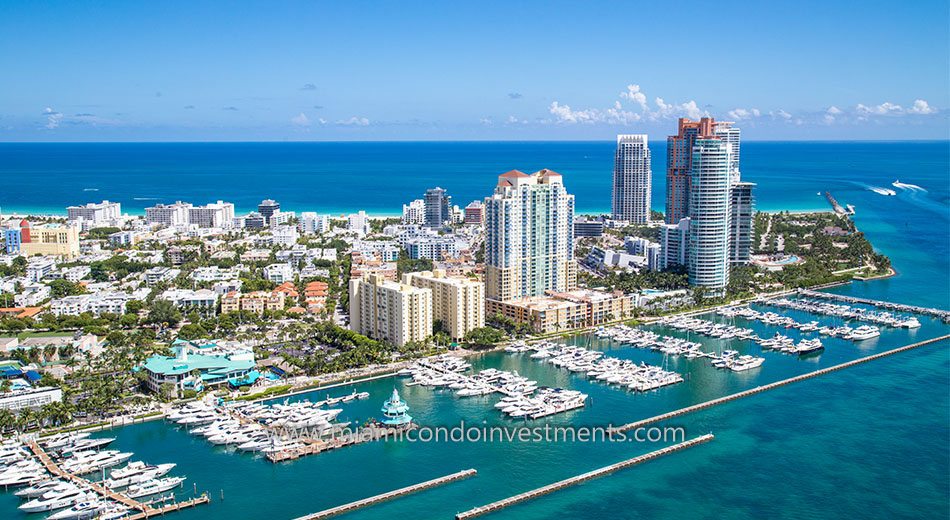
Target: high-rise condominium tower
710	214
529	245
438	207
632	182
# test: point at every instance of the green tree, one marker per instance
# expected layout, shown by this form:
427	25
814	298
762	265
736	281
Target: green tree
164	312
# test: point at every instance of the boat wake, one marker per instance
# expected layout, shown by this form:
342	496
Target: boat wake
906	186
90	189
145	198
882	191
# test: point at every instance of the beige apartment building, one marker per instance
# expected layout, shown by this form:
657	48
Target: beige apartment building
458	302
49	239
390	311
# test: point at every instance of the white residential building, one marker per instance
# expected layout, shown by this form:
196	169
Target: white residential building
39	268
32	295
285	236
216	274
529	245
312	224
96	304
432	248
202	300
632	187
169	215
358	222
159	273
414	212
218	214
279	273
94	215
710	214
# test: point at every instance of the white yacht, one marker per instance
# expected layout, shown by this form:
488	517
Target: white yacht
153	487
865	332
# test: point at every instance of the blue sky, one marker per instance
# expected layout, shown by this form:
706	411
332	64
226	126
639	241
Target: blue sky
354	70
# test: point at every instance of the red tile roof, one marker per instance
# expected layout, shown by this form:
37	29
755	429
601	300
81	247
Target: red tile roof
514	173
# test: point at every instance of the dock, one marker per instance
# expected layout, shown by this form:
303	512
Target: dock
561	484
770	386
144	510
314	446
936	313
389	495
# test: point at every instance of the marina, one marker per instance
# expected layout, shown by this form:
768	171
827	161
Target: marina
523	399
657	345
770	386
51	481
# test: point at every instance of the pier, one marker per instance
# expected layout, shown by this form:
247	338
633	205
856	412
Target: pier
313	446
561	484
389	495
770	386
144	510
937	313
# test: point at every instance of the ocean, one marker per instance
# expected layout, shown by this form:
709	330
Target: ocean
870	442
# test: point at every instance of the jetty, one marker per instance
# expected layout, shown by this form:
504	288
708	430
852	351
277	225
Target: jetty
389	495
927	311
568	482
313	446
144	510
839	210
771	386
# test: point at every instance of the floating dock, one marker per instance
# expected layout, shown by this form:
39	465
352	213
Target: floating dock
144	510
550	488
313	446
927	311
345	508
770	386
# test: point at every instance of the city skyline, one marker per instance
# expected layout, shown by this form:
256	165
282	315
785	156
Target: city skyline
421	72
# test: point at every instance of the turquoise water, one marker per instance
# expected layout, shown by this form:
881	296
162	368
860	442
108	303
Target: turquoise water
869	442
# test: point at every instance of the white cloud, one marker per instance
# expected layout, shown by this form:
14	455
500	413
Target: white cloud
53	118
354	121
921	107
666	110
487	121
884	108
780	114
740	114
301	120
633	94
833	110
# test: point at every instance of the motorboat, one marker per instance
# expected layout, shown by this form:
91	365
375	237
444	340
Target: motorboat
153	487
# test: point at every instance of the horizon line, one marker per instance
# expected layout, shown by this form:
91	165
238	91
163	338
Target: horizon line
358	141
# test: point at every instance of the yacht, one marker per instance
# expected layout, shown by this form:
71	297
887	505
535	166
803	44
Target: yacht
153	487
746	362
56	501
141	475
865	332
80	511
43	487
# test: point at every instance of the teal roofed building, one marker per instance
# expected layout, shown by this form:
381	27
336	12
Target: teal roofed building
396	411
195	368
